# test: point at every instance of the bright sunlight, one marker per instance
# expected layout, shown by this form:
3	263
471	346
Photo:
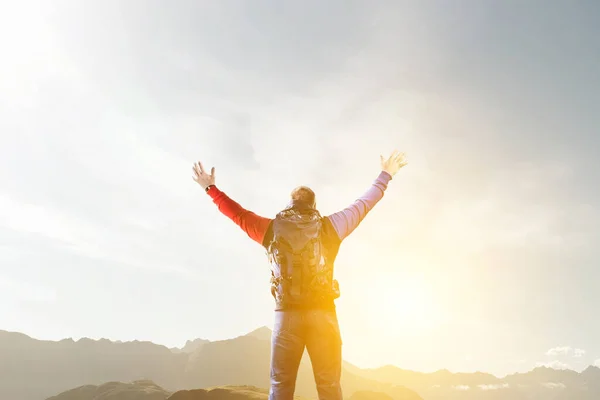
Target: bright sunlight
398	305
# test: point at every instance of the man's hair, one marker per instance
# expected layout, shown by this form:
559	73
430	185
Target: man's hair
303	194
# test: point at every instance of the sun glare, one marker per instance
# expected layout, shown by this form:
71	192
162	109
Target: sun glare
401	307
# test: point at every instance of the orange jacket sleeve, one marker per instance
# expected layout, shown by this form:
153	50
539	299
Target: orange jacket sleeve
254	225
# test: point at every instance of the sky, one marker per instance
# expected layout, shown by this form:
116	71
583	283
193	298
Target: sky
482	255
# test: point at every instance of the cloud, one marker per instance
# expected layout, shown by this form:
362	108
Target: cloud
559	351
87	237
597	363
99	128
565	351
556	364
461	387
578	353
494	387
553	385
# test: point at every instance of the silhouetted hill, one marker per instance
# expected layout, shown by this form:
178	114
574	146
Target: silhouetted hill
368	395
194	345
239	361
224	393
224	362
139	390
263	333
541	383
591	374
36	369
147	390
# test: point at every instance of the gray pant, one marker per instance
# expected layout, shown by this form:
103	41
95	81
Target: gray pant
319	332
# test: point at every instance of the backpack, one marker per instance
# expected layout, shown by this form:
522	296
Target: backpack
301	273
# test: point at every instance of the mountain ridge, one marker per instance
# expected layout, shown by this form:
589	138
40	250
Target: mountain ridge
39	368
55	366
263	333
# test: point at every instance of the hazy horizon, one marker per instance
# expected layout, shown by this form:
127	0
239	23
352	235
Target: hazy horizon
557	350
480	256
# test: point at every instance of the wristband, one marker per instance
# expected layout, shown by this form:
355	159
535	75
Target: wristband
208	187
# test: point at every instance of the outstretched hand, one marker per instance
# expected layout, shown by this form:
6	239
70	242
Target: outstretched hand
393	164
201	177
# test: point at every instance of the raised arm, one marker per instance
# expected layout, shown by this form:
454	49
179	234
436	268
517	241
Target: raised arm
346	221
254	225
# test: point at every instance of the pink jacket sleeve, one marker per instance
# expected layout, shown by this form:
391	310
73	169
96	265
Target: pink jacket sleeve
345	221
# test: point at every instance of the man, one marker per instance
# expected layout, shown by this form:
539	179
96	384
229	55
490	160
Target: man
302	247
